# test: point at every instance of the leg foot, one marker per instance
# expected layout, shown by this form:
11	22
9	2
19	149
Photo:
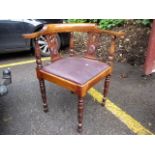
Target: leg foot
72	92
103	102
79	129
45	107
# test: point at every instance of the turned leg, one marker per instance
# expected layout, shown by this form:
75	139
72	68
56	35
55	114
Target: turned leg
43	94
106	89
80	113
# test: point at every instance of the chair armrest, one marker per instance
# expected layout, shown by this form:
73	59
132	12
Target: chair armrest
109	32
58	28
31	35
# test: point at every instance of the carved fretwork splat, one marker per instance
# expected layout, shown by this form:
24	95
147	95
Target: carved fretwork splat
112	51
53	47
38	55
71	45
93	39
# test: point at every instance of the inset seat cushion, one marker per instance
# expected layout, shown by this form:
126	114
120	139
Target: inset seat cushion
76	69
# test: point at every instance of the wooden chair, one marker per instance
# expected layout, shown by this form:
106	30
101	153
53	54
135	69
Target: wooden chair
77	74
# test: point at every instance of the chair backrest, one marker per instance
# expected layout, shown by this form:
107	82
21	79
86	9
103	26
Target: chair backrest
94	33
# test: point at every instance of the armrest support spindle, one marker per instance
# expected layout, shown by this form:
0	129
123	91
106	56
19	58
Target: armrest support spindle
38	55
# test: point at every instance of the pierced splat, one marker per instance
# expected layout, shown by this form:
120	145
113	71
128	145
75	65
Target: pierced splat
111	51
53	47
71	45
93	39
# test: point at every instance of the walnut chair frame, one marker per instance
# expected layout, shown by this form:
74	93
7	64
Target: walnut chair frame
79	88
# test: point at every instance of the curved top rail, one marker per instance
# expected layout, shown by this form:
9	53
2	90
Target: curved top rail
80	27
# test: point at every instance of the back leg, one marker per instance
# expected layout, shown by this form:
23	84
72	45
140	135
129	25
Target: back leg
106	89
43	94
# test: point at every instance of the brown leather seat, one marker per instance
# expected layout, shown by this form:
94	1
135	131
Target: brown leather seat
76	69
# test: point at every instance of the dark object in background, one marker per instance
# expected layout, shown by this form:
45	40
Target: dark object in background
11	31
6	80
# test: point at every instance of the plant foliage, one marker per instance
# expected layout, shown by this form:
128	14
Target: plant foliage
103	23
110	23
145	22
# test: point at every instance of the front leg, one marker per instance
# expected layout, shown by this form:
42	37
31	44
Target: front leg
80	114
